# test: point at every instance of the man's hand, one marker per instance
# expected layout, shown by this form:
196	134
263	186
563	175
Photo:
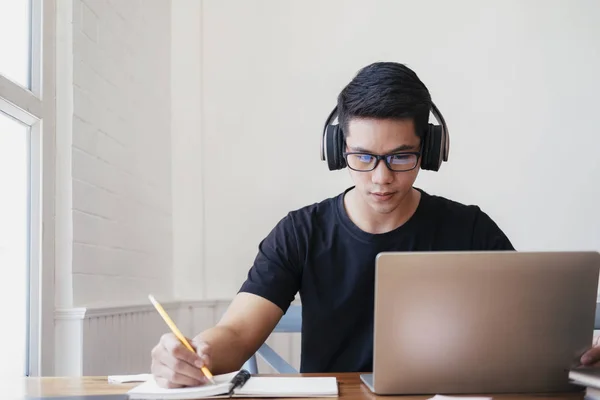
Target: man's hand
592	356
175	366
224	348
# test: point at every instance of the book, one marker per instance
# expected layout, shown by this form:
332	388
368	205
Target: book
444	397
242	384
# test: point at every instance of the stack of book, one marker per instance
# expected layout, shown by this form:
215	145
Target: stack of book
588	377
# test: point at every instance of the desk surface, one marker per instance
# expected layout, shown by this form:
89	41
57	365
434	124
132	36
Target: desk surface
350	386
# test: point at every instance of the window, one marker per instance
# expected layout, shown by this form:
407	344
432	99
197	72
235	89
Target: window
14	243
15	39
27	179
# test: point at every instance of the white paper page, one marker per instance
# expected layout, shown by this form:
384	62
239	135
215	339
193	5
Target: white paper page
289	387
151	390
443	397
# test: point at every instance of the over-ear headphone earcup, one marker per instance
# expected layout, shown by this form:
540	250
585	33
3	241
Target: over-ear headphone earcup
340	161
334	145
432	148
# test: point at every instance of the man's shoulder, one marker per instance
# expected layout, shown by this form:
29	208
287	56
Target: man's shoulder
322	209
303	222
471	219
446	206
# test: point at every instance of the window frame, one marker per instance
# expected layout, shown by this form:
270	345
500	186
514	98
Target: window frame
36	108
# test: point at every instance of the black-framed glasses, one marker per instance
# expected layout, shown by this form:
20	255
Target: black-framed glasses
397	162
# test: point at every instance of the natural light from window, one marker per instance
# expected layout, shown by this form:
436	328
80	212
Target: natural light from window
15	40
14	250
15	50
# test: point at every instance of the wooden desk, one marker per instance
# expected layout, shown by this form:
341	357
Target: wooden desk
350	386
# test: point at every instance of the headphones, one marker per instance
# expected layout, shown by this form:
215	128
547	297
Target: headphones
435	143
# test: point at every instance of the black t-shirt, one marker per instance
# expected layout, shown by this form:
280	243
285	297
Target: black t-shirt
320	253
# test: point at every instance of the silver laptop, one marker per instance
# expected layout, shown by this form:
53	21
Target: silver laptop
481	322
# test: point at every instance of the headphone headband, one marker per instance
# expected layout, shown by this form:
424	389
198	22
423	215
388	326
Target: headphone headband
445	134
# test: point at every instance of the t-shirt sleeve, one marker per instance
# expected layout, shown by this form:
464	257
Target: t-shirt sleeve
277	272
487	235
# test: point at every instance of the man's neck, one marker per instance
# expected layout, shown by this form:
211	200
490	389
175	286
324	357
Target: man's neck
370	221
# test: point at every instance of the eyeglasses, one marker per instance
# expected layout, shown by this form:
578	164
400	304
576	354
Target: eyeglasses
399	162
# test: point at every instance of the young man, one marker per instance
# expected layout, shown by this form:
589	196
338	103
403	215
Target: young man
327	251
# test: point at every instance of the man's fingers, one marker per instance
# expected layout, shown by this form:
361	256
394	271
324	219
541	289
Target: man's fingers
159	371
164	383
182	367
201	346
591	356
174	365
178	358
168	384
206	360
178	349
203	350
172	378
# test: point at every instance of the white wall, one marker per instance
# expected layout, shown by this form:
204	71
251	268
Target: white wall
517	83
186	146
117	95
156	111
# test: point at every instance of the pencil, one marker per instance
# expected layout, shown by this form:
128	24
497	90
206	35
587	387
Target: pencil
178	333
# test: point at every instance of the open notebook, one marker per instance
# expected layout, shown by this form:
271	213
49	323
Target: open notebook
241	384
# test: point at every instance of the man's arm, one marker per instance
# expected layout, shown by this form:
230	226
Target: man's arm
487	235
270	287
245	326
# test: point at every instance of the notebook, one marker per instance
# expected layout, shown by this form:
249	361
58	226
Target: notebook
444	397
242	384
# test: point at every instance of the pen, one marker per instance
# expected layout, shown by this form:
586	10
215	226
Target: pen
178	333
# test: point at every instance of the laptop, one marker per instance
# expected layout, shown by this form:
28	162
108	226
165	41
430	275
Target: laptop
481	322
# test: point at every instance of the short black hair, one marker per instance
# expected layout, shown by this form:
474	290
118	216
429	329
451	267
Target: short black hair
385	90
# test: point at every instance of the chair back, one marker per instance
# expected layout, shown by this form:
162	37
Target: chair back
290	322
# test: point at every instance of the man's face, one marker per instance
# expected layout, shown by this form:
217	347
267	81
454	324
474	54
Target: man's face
382	189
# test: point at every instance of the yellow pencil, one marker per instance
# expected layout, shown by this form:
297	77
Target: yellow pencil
177	333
